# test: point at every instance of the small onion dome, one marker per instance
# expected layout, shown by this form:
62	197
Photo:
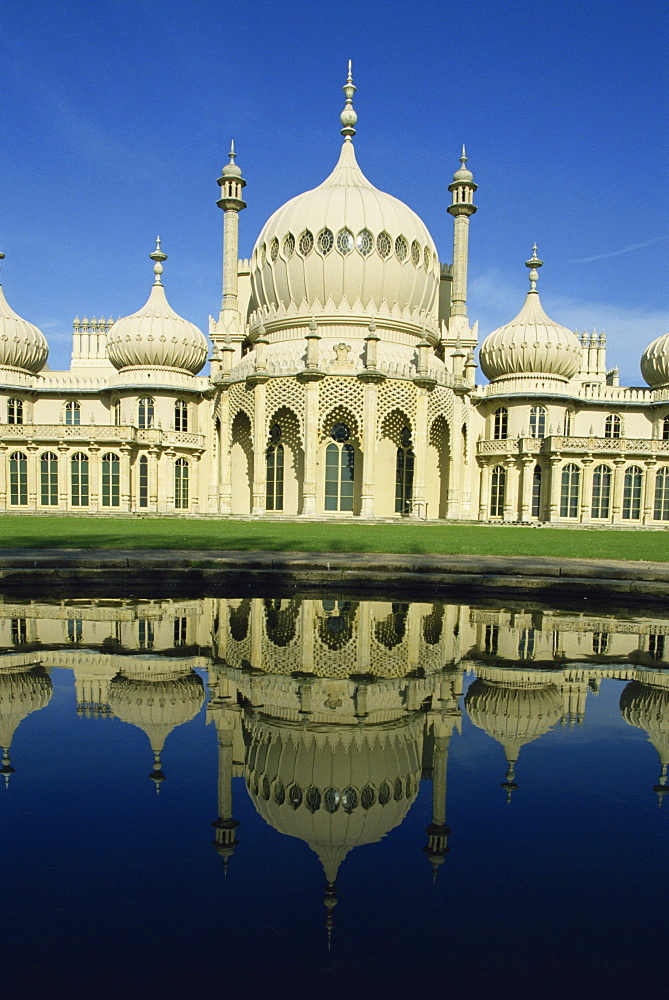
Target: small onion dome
157	707
21	692
513	714
231	169
655	362
531	343
463	173
335	788
156	335
22	345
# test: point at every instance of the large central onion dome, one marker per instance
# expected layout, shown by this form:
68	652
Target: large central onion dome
345	249
156	335
22	345
531	344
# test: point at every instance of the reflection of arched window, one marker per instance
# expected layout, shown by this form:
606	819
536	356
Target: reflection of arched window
339	470
612	426
14	411
571	481
432	625
600	642
601	491
501	424
18	479
537	422
391	631
145	412
404	474
497	491
536	491
181	415
274	462
48	467
280	621
239	620
111	477
181	484
336	628
661	512
656	647
79	480
491	640
632	493
526	644
143	481
72	413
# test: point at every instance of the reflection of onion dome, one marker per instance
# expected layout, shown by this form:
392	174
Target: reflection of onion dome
22	345
21	692
157	707
655	362
336	787
156	335
531	344
647	706
513	714
345	249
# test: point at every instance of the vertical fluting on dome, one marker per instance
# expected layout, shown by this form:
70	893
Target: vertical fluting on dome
22	345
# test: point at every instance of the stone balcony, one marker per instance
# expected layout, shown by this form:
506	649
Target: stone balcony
86	434
613	448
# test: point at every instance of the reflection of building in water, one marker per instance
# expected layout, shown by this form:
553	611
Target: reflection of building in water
24	688
645	704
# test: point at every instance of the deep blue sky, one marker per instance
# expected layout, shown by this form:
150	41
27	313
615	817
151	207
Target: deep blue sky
117	117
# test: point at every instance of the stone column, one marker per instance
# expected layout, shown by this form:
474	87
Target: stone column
33	475
511	491
586	489
555	487
224	465
419	508
124	473
167	478
194	485
94	477
311	395
527	484
259	449
4	458
649	491
455	461
152	471
484	492
618	483
369	449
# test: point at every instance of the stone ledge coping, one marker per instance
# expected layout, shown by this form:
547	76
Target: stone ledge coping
339	570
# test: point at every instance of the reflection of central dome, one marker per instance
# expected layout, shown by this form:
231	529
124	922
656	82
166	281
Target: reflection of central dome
157	706
335	787
513	714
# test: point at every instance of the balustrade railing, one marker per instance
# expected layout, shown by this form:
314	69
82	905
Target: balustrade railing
99	434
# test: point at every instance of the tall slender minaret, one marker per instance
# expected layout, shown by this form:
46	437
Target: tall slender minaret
462	188
230	322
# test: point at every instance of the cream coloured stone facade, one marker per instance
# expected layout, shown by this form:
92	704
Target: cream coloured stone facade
342	384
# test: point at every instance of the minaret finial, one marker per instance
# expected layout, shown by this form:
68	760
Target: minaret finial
159	257
348	116
534	263
232	153
463	158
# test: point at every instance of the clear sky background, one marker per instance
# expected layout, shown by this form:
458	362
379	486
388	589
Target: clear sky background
117	117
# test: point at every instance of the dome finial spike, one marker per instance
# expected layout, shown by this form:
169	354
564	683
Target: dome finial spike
158	256
232	153
534	263
348	116
463	158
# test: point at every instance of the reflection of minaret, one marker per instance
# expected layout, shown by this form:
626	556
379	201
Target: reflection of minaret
225	826
442	723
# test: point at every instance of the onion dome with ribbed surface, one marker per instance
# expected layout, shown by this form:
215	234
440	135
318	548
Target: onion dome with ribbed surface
346	249
22	345
156	335
655	363
532	344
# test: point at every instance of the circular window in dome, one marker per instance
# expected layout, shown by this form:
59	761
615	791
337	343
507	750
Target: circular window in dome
427	258
384	245
325	241
364	242
415	253
295	796
344	241
279	792
288	246
401	248
274	251
368	797
313	799
331	799
306	243
263	255
340	432
349	799
384	793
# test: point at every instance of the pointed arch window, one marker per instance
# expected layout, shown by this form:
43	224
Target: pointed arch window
288	246
384	245
536	492
180	415
497	491
181	471
145	412
570	490
404	473
274	457
661	512
632	486
415	253
72	413
339	470
49	479
18	479
79	480
325	241
612	426
306	243
537	421
401	248
14	411
500	423
111	480
601	492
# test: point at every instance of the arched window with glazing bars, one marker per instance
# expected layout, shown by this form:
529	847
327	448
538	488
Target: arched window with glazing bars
661	510
181	498
180	415
601	492
404	473
570	489
613	426
72	413
111	480
48	467
339	470
145	412
497	491
500	428
18	479
15	411
632	490
537	421
274	457
79	480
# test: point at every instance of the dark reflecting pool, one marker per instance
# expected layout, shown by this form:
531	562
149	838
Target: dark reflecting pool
304	798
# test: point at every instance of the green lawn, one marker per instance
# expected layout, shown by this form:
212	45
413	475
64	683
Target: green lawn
17	531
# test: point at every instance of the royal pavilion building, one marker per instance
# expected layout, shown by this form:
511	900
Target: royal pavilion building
342	384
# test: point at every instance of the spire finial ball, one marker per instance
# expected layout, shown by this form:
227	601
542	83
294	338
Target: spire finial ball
534	263
158	256
348	116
